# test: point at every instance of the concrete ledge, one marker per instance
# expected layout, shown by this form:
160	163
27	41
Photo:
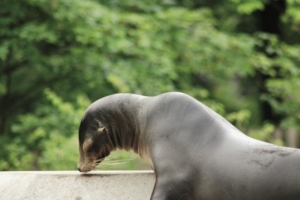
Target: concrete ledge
102	185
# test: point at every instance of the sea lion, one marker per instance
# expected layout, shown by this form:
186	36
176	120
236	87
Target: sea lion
196	154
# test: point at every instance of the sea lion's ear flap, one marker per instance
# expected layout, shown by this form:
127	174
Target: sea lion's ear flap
101	130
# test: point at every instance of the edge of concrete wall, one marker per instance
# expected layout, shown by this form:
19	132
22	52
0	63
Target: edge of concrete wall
103	185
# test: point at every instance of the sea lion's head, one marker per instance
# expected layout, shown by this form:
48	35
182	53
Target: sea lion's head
108	123
94	144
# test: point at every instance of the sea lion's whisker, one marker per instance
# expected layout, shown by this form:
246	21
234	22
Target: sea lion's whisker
120	160
107	158
99	160
116	162
110	158
111	164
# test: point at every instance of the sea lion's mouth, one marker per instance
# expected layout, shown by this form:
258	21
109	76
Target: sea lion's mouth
89	166
86	168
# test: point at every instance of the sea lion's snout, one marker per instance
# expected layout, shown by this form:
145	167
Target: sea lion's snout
85	168
88	162
79	167
88	156
94	144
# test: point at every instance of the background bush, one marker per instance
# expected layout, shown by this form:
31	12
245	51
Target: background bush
241	58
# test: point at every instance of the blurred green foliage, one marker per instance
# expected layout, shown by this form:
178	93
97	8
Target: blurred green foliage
56	57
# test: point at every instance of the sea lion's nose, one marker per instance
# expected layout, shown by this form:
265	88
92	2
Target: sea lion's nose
79	169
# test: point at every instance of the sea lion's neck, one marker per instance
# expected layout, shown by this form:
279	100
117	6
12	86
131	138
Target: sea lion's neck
121	116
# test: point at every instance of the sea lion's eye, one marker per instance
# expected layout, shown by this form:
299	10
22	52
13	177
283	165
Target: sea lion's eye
90	149
93	148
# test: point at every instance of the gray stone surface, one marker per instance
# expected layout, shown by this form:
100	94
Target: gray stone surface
102	185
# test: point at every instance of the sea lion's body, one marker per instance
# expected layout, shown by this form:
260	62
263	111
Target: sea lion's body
195	153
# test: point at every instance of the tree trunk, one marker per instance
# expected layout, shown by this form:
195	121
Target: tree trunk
292	137
278	133
269	22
